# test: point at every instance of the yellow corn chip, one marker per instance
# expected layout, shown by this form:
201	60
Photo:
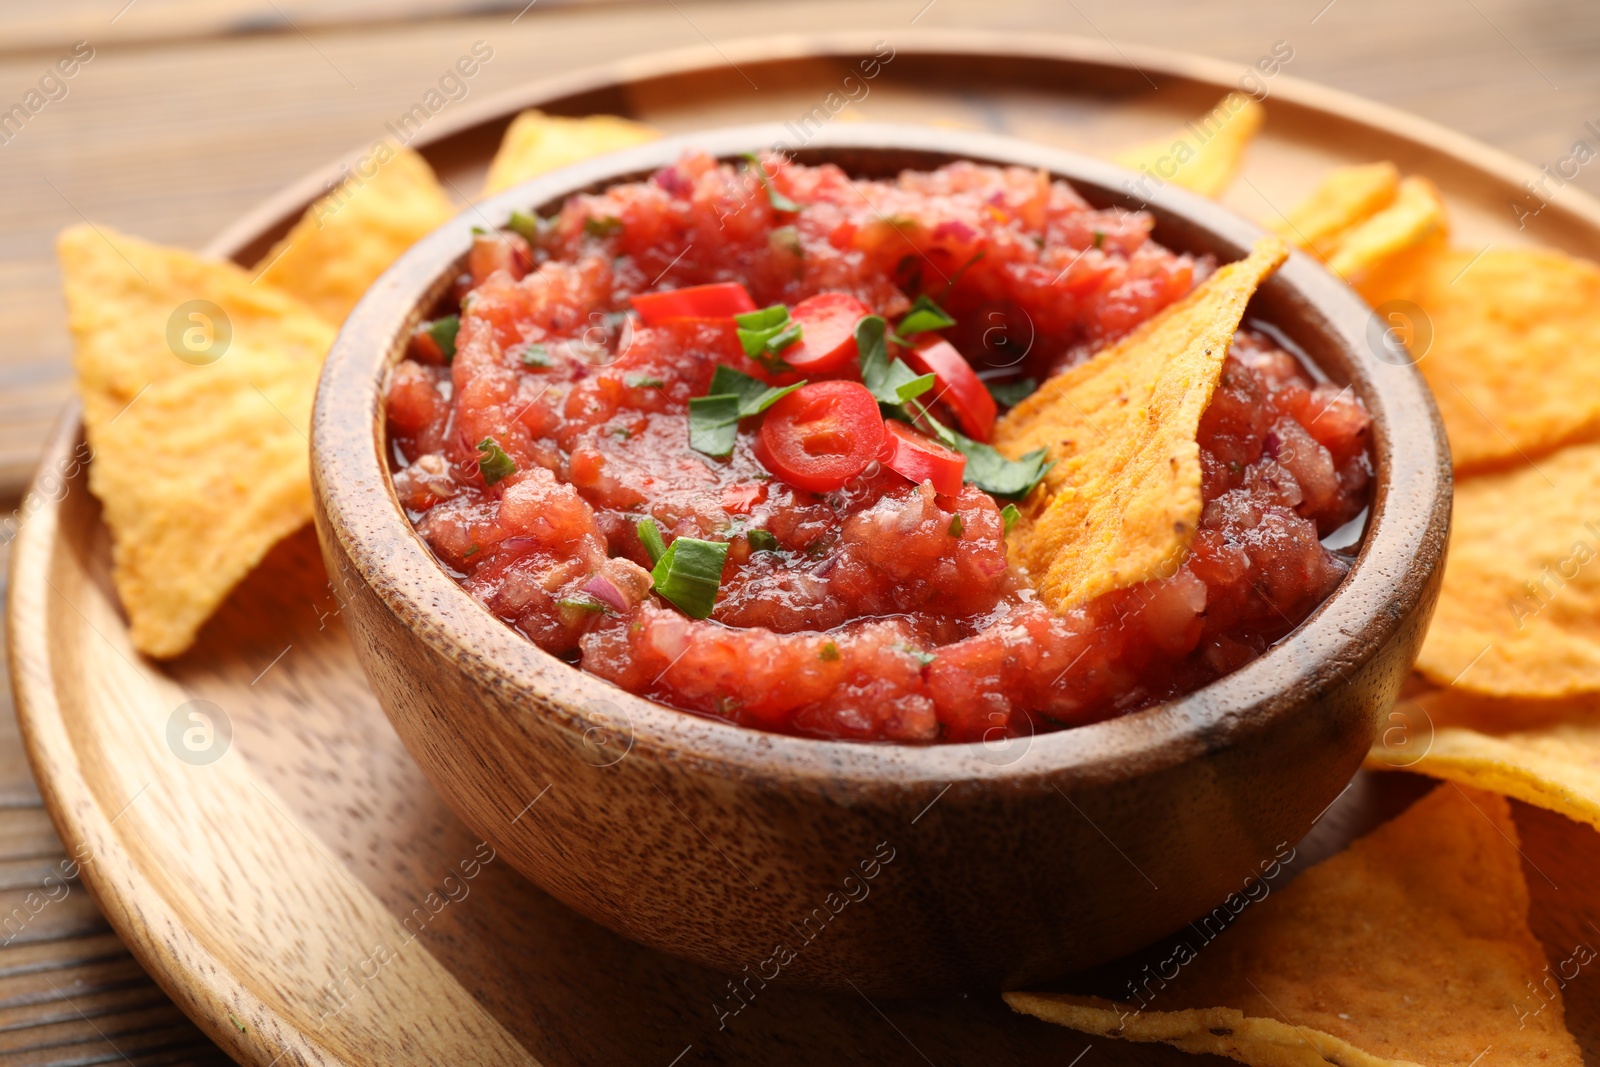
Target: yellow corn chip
536	142
1123	500
1347	197
349	237
1411	947
1546	753
1519	613
1514	359
197	390
1204	154
1417	214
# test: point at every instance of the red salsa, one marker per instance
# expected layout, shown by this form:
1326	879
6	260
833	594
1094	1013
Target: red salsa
690	375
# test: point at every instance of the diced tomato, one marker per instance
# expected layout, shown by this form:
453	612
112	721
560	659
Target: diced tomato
922	459
720	300
956	386
740	497
499	251
424	349
828	333
822	435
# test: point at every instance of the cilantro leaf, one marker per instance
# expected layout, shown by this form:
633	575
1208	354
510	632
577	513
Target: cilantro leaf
765	333
714	418
494	464
998	476
778	201
1010	393
924	315
443	331
689	574
889	380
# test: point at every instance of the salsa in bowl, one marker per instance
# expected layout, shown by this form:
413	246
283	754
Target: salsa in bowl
784	381
741	842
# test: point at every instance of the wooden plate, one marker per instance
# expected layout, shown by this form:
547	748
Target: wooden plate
308	899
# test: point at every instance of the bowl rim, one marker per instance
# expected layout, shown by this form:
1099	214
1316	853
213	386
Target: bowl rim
1403	543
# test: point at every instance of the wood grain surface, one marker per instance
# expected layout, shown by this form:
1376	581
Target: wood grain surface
180	123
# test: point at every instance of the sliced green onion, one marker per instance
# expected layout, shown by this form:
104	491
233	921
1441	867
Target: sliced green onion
1009	515
525	224
443	331
924	315
762	540
690	573
650	537
829	652
1009	394
536	356
602	227
494	464
778	201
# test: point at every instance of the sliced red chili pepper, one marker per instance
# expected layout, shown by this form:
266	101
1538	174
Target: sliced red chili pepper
828	333
956	386
822	435
922	459
720	300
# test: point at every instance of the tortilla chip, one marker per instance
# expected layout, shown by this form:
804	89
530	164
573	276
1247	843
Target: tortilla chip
1514	360
1347	197
201	466
536	142
1123	500
1417	214
1519	613
1546	753
1204	155
349	237
1412	946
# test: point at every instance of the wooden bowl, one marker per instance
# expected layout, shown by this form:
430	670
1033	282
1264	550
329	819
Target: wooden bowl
891	868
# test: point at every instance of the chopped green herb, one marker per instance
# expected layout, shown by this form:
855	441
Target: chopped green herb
644	381
526	224
829	652
762	540
588	605
924	315
765	333
1009	515
787	238
650	537
234	1021
620	431
1010	393
690	573
924	658
956	526
714	418
949	286
602	227
999	476
778	201
478	231
1099	238
494	464
443	331
890	381
473	551
536	356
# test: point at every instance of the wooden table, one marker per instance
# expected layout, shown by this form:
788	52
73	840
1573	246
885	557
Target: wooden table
191	111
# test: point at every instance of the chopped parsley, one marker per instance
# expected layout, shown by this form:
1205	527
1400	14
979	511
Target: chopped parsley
829	652
762	540
1010	393
714	418
534	355
650	537
778	201
891	381
443	331
924	315
689	574
602	227
494	464
766	333
1009	515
